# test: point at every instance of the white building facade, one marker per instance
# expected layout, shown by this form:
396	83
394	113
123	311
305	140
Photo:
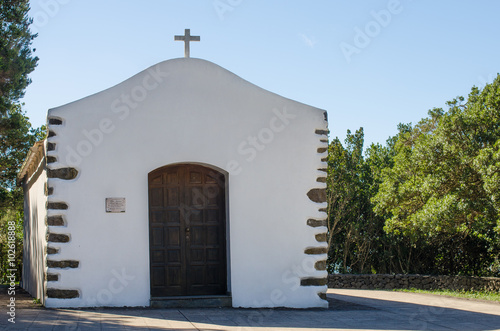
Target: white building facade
183	185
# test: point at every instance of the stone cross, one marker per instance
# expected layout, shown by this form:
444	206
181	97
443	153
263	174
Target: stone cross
187	38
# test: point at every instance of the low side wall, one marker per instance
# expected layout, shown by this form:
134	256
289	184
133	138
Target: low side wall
413	281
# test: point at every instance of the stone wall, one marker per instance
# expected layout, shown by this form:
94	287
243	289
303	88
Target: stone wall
413	281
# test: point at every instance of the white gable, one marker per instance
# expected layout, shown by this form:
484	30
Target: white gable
189	111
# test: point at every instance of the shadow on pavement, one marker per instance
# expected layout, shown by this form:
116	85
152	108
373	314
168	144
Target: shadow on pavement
345	313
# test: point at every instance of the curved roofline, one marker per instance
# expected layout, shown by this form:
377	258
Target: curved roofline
181	59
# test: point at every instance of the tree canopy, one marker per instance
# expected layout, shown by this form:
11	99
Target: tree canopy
16	139
16	58
434	190
16	133
443	178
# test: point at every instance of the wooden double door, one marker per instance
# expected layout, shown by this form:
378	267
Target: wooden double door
187	231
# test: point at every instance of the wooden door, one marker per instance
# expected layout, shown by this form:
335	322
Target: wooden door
187	231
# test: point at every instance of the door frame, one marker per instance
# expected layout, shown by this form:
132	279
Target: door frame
227	220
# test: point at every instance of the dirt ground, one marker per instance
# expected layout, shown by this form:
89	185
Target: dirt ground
23	298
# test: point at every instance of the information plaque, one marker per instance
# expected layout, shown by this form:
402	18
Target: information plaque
115	205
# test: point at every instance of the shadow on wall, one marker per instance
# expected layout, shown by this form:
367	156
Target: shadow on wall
33	272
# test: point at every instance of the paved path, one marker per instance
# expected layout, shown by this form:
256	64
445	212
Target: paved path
350	310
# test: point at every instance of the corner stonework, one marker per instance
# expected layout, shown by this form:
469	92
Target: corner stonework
318	195
57	217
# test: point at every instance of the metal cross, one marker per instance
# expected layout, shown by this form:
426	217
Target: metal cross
187	38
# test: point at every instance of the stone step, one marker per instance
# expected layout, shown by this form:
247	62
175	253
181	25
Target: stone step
212	301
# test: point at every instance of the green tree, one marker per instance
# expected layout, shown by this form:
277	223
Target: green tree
16	134
353	231
357	240
393	253
16	59
443	185
16	139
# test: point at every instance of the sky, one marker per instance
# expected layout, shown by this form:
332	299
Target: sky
370	64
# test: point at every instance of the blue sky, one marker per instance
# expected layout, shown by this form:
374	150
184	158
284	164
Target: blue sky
370	64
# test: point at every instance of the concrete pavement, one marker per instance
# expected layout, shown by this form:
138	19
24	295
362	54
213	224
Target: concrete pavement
349	310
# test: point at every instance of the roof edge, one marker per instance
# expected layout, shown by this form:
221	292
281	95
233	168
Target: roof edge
35	155
181	59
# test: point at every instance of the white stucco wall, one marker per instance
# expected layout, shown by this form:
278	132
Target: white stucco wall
35	229
181	111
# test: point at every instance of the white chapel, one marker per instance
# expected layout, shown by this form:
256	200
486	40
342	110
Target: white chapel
184	185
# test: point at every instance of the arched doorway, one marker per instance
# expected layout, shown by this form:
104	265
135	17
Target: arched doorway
187	231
